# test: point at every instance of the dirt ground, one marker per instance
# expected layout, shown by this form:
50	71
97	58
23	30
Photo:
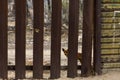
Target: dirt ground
108	75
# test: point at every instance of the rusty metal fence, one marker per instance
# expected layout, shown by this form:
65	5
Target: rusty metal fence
110	34
20	31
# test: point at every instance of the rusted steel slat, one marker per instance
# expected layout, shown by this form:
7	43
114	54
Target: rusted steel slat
73	37
117	67
107	28
117	61
87	37
110	2
20	38
55	39
38	6
110	16
110	54
108	22
3	38
110	10
97	37
109	38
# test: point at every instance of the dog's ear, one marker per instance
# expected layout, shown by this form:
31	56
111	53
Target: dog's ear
63	49
67	49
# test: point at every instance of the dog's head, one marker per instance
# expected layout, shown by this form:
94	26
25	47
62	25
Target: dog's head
65	51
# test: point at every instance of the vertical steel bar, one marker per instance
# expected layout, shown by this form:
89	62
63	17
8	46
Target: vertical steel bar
3	38
20	6
73	37
97	37
87	37
38	6
55	39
